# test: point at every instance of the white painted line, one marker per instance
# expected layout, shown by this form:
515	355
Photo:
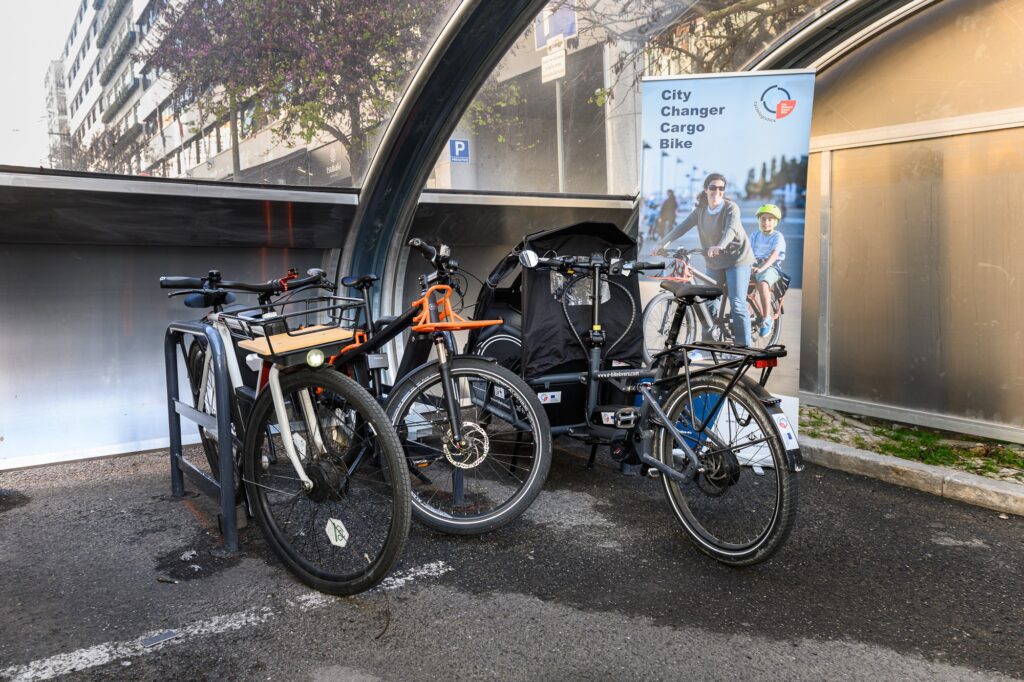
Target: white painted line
432	570
101	654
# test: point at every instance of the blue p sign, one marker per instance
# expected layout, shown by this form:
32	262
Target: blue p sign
459	150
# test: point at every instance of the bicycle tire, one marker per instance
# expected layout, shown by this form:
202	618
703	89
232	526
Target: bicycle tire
196	358
717	511
488	486
345	535
756	340
657	321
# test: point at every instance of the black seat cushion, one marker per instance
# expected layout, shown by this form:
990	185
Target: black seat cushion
683	290
359	281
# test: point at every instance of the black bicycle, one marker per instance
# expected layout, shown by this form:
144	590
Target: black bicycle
724	449
476	438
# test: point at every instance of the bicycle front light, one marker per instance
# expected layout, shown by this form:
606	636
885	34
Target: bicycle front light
315	357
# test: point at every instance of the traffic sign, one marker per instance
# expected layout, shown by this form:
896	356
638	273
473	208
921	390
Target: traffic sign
459	151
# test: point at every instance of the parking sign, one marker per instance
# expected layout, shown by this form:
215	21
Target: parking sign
459	150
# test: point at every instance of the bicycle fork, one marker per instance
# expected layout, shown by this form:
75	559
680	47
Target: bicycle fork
284	425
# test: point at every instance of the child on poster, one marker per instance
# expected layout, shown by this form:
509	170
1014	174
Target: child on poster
769	247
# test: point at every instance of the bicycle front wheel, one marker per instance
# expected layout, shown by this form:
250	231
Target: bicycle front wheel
345	533
498	472
741	507
657	321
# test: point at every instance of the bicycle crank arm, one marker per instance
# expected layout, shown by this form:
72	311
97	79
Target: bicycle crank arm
679	476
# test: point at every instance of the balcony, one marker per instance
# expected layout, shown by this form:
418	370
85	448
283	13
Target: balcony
110	22
122	50
122	97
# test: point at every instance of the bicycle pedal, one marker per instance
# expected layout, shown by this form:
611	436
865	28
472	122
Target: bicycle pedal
421	463
653	473
626	417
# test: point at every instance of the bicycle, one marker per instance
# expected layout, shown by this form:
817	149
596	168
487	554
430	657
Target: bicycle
658	313
724	449
319	461
476	438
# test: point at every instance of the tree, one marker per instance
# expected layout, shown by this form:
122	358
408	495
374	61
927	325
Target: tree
685	36
309	67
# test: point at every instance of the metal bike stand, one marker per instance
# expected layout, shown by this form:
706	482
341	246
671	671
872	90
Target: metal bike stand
225	489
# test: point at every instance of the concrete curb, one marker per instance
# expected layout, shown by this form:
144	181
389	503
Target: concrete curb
954	485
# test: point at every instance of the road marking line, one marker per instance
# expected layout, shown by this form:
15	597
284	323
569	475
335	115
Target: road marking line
101	654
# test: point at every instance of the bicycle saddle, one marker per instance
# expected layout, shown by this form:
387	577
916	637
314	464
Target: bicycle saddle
208	299
683	290
359	282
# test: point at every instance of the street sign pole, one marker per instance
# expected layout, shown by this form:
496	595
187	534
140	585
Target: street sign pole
553	68
560	143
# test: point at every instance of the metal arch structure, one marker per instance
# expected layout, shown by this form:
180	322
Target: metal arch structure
479	34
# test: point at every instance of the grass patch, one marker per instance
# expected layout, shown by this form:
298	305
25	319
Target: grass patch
967	453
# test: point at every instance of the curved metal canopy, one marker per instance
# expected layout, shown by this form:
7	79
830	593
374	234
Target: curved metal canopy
471	45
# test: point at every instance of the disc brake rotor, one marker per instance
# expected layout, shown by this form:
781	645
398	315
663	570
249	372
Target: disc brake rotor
473	452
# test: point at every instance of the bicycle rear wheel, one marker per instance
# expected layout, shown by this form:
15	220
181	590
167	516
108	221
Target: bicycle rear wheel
657	322
741	508
497	475
346	533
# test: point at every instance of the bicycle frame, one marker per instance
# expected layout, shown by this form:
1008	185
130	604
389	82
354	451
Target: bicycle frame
671	368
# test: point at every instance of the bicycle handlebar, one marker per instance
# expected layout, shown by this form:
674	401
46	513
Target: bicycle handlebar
429	252
316	277
587	263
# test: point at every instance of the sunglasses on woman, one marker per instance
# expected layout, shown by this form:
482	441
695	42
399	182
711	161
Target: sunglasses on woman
715	188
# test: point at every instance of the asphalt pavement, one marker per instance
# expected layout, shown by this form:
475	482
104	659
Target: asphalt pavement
596	581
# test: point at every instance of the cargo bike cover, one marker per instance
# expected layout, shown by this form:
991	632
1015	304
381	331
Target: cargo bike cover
548	339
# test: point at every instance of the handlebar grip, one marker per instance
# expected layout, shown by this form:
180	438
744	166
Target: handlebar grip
181	283
428	251
641	265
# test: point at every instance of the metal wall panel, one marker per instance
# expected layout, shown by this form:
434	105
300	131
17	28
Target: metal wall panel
810	310
927	277
81	342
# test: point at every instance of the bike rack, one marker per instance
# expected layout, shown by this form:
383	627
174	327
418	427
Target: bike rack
225	489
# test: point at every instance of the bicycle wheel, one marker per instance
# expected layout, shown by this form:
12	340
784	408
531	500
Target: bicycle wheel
658	322
344	534
741	508
196	358
756	340
492	480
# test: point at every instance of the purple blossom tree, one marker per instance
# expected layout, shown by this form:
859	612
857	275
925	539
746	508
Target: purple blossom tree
307	67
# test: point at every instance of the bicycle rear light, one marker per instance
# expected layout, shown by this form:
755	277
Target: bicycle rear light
765	363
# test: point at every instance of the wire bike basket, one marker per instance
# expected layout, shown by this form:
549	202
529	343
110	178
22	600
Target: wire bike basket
279	332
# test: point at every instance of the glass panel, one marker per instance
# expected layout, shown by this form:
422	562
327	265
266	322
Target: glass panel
294	93
927	278
561	112
810	309
958	57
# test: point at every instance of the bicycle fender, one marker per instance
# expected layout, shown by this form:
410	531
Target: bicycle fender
773	405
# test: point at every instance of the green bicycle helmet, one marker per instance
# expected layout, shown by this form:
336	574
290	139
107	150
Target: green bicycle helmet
770	209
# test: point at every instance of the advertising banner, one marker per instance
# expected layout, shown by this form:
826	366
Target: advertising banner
724	170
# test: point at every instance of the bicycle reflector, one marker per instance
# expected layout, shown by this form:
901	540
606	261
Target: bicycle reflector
766	362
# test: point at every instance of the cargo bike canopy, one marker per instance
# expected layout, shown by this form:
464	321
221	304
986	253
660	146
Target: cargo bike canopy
556	308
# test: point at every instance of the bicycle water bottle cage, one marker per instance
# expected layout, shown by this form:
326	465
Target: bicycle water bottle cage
447	319
209	299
